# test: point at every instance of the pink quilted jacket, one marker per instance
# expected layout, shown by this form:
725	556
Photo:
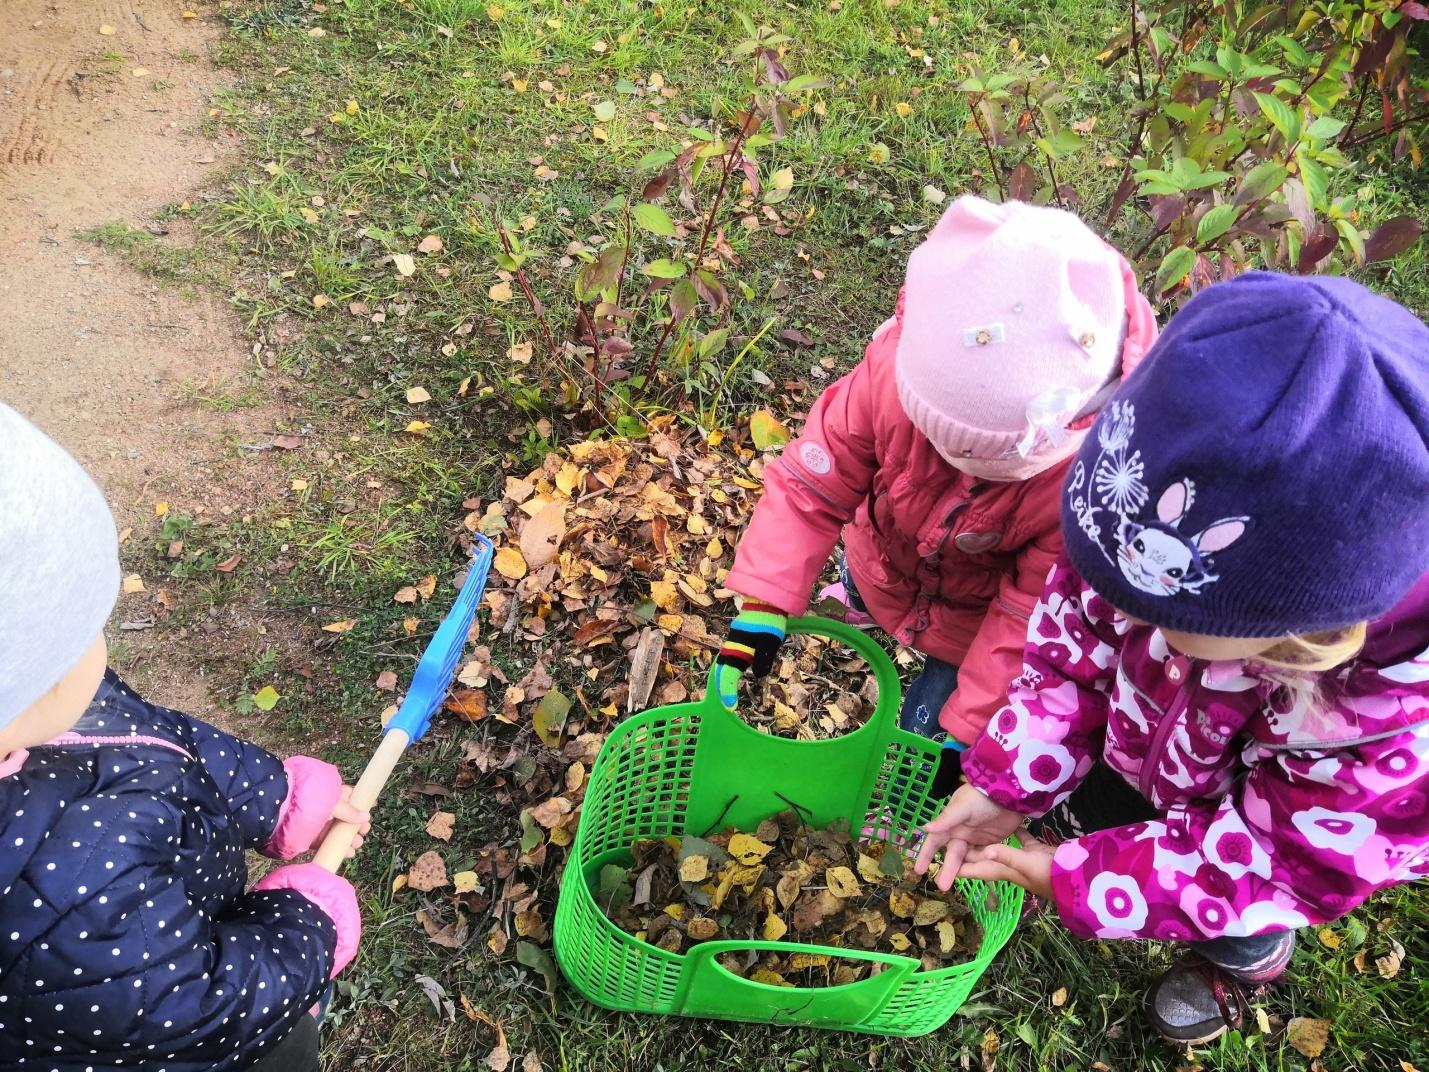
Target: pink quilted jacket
946	564
1276	812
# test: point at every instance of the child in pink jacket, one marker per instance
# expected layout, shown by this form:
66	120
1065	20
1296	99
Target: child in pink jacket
1225	706
940	457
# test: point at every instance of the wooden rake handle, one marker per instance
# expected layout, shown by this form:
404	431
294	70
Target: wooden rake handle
333	850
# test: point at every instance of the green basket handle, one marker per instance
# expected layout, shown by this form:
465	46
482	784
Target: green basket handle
884	672
709	988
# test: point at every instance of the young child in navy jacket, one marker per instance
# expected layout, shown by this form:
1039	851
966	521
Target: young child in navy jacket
127	939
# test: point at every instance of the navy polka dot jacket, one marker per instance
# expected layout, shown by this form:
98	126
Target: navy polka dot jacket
126	937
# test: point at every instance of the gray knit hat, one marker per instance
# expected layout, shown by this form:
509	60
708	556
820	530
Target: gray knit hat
59	563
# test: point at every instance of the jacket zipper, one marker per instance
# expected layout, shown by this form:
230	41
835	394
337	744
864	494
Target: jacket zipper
1159	740
71	739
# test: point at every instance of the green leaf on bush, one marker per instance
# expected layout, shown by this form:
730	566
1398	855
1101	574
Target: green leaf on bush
1354	236
655	160
654	219
1264	179
1315	178
714	342
664	269
266	698
1216	223
804	82
1175	266
1059	144
1326	127
1285	118
1209	68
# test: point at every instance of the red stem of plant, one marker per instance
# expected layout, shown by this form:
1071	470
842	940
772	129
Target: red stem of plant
1037	130
1355	143
986	140
732	154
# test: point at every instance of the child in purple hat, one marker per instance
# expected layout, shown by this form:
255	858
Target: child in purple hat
1223	717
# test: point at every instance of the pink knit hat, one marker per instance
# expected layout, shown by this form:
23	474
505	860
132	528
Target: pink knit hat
1017	320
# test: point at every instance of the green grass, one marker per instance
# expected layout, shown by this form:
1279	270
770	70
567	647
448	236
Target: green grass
441	136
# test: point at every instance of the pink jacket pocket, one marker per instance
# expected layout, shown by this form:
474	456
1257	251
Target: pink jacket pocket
313	791
331	893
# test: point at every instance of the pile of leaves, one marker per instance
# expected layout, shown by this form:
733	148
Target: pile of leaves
788	881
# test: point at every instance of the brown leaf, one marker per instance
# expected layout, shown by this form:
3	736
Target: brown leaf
510	564
386	681
441	824
469	704
531	1063
340	627
1309	1037
287	442
228	565
702	928
449	936
405	594
541	536
427	585
431	244
428	873
550	812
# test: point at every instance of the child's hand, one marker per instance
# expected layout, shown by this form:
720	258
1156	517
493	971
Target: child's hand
1030	866
344	812
970	821
754	639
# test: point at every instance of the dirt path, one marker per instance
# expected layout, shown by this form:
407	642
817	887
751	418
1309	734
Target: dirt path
100	107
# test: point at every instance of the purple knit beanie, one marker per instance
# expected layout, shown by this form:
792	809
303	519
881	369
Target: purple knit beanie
1266	469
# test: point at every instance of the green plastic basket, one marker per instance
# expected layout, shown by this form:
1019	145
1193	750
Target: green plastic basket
694	766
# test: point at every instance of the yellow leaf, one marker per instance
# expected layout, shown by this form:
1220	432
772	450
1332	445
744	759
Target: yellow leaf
494	12
903	108
398	884
141	72
879	154
510	564
600	133
427	585
901	903
671	623
319	300
520	85
750	850
310	216
784	179
1262	1021
842	882
160	509
1329	938
694	868
107	30
599	47
1308	1036
464	881
1059	997
317	31
768	978
899	942
340	627
133	583
188	15
404	263
351	107
675	911
766	430
774	928
417	395
337	117
500	292
416	427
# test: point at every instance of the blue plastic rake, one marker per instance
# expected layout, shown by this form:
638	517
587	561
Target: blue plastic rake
430	682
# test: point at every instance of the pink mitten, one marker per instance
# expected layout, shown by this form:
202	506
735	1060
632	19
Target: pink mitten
314	788
333	894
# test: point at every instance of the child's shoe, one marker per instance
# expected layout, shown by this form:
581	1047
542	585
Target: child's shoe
852	615
1199	1000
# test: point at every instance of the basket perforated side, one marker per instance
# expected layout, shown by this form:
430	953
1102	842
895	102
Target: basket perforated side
638	789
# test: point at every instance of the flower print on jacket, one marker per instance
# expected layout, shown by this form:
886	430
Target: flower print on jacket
1153	555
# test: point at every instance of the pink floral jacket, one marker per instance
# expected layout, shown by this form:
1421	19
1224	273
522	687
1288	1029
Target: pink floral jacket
1277	811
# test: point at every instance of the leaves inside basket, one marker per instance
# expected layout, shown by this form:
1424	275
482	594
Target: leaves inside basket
788	882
